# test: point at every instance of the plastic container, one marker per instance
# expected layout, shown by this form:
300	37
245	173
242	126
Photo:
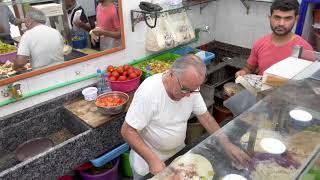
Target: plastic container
206	56
125	86
185	50
106	83
79	40
99	81
8	57
125	165
90	93
111	174
164	57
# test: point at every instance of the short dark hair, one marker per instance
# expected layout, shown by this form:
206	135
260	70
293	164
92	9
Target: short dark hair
285	5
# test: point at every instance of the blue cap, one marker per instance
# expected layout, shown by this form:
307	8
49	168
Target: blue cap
99	71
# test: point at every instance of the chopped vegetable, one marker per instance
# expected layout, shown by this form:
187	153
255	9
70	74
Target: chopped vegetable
109	101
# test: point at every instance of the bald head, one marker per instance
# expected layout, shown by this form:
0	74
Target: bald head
189	65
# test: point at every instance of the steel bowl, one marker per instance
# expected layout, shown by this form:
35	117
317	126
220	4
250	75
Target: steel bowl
114	109
33	147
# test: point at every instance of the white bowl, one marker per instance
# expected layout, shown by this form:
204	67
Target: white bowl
90	93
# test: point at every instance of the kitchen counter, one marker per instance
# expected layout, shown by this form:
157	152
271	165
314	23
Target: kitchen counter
63	157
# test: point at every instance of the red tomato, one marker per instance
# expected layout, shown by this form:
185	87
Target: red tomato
137	71
133	75
110	68
122	78
120	69
115	74
112	78
130	70
109	74
125	73
126	67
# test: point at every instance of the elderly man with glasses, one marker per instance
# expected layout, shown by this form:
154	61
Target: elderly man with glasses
156	122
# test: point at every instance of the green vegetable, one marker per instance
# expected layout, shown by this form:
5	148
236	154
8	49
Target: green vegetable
6	48
156	66
76	38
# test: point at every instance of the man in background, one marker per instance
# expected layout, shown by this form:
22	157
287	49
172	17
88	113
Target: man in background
278	45
78	20
40	44
6	17
108	25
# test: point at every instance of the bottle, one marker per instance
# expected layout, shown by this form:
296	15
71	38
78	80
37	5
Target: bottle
148	71
107	84
100	83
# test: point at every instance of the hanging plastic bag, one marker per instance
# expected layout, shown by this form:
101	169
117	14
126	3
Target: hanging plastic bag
160	37
182	27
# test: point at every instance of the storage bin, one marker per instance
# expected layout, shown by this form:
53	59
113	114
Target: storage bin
79	40
206	56
8	57
125	165
110	174
186	50
168	57
125	86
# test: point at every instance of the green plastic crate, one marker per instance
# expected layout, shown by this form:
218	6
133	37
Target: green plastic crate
170	57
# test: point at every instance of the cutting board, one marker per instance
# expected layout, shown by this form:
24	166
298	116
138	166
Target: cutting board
88	112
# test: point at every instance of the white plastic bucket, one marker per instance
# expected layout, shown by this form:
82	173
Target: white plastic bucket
90	93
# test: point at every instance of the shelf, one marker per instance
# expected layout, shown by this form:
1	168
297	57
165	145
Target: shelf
138	15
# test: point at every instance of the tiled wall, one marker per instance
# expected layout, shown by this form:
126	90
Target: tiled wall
235	26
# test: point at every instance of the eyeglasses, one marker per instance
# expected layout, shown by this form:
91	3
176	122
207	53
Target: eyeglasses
185	90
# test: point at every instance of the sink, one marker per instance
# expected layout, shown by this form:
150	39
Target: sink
58	124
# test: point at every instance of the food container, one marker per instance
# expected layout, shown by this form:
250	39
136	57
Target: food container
79	40
166	59
112	110
110	174
125	86
300	119
207	57
32	148
90	93
8	57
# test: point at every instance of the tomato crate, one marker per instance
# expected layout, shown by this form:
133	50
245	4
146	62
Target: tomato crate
156	64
